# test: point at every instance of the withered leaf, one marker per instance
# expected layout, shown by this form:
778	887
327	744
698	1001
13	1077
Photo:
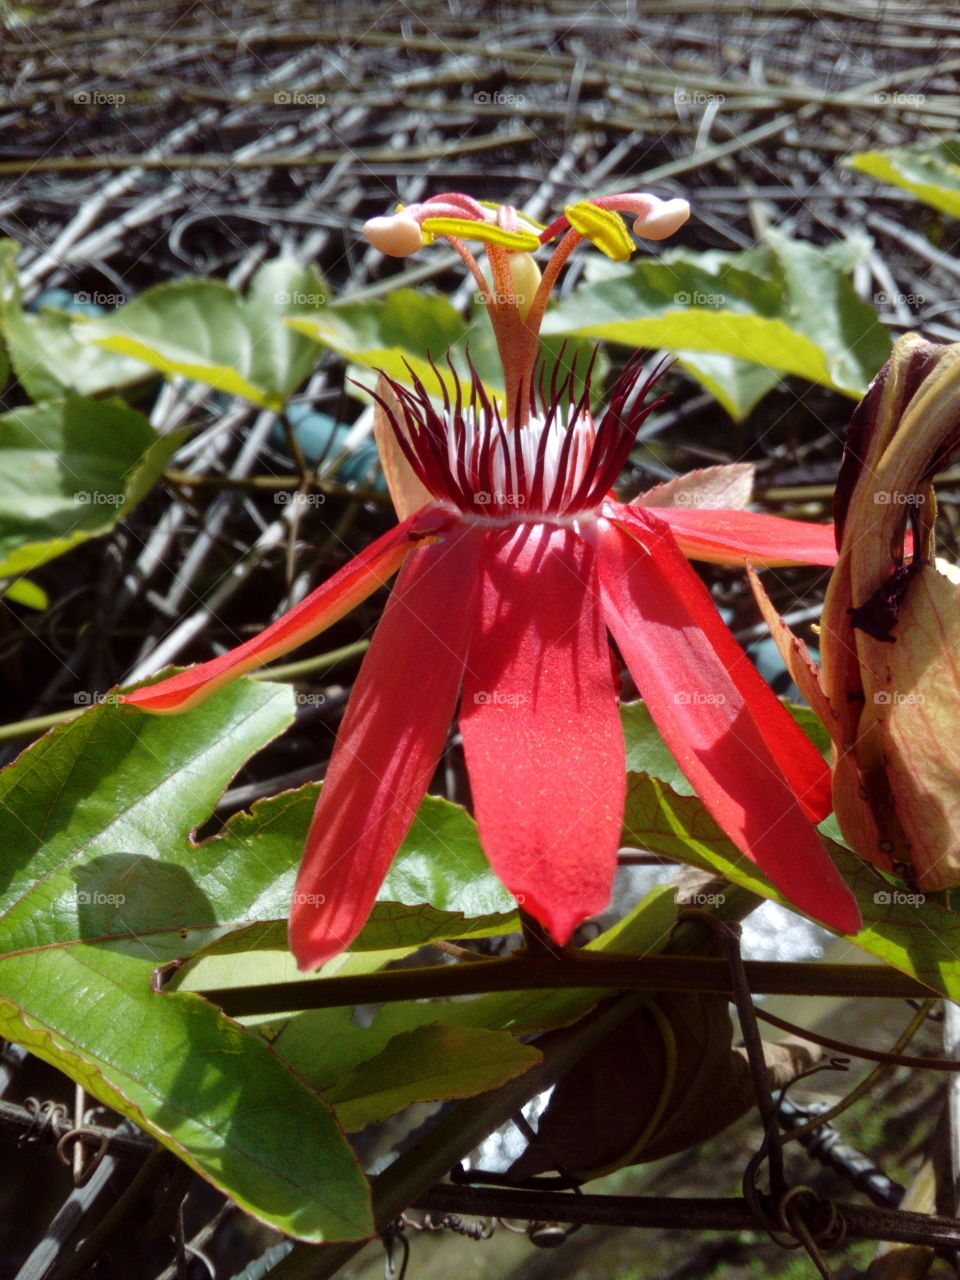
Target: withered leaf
665	1079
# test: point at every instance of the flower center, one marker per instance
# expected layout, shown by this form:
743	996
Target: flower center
553	462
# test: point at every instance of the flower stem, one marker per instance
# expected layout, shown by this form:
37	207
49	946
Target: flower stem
571	970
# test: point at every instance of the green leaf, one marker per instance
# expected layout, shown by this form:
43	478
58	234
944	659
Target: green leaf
738	386
101	883
442	882
47	356
823	306
787	306
204	330
663	815
930	170
70	470
646	750
912	932
5	369
407	328
426	1065
26	592
439	886
648	753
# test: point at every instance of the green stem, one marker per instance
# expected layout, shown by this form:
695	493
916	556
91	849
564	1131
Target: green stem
286	671
573	970
271	484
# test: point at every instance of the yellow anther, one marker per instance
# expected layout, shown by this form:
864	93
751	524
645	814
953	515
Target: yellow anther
604	227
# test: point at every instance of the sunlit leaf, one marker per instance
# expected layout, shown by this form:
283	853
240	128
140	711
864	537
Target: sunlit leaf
412	333
426	1065
738	385
47	356
204	330
26	592
404	333
321	1043
70	470
931	170
788	307
913	932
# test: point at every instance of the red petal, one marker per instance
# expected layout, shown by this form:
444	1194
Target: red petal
371	569
388	746
804	768
540	727
727	536
722	729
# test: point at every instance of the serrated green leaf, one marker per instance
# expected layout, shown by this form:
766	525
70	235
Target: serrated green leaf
429	1064
69	471
204	330
100	884
787	307
48	358
931	170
